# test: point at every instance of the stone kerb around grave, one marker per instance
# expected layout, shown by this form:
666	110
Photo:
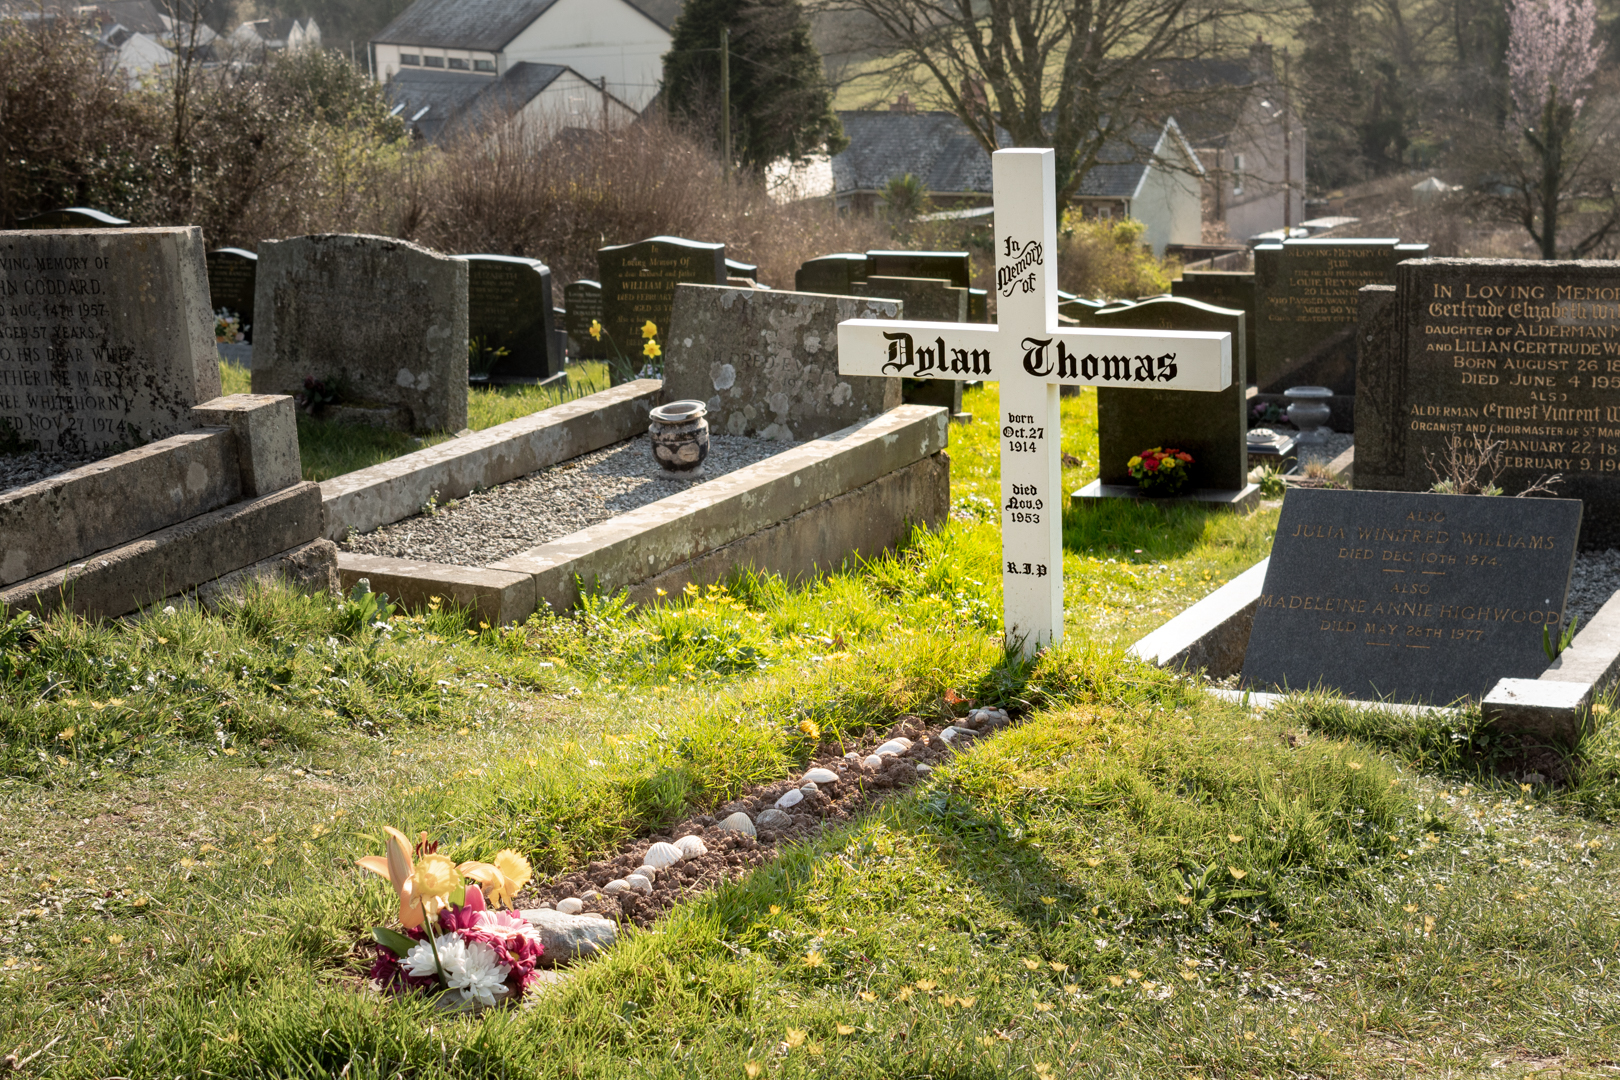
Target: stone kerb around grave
766	362
384	320
107	339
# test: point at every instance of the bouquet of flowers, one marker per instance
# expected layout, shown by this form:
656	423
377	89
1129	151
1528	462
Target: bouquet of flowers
454	943
1161	471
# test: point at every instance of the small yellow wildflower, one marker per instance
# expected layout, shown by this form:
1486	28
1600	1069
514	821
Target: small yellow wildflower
1353	765
1237	875
867	995
1234	838
751	1070
1115	980
1058	965
596	333
651	350
649	329
1133	973
812	960
846	1029
794	1038
115	939
1031	964
925	985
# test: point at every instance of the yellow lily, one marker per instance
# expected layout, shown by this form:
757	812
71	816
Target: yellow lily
396	868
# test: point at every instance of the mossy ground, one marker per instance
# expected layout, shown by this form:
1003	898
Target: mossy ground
1136	881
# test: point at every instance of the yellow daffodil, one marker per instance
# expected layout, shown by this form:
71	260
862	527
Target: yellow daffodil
596	333
651	350
649	329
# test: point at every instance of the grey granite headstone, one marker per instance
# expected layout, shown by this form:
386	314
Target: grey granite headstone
582	301
638	285
383	318
1407	597
107	339
1212	428
509	309
927	300
766	361
232	274
954	266
834	274
1524	353
1305	308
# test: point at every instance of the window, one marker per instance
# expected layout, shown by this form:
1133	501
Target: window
433	61
457	63
486	66
1105	212
410	59
1237	174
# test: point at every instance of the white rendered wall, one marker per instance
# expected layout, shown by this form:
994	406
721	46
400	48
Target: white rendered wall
1168	204
598	38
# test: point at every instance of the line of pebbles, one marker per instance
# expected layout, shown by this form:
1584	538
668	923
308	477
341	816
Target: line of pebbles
577	914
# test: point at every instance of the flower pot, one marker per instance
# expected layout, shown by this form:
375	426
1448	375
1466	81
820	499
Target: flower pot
1308	410
680	436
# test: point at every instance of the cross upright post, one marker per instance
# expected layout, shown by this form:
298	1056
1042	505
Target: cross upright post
1031	357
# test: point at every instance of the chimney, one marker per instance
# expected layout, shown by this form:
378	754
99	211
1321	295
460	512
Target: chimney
902	104
1260	59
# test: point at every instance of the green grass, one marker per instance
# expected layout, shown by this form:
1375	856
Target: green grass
330	450
1136	881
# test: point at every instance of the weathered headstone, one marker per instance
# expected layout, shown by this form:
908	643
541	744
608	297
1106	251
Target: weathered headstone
766	361
832	274
232	275
926	300
638	285
1305	308
1031	356
107	340
382	320
954	266
1522	353
1211	427
74	217
1404	597
582	300
509	320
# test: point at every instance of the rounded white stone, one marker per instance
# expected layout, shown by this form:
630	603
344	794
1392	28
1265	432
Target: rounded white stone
852	756
662	855
792	798
571	906
639	883
739	822
873	762
617	885
648	872
821	776
893	746
924	770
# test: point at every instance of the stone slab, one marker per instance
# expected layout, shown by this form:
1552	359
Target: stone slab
925	299
1523	352
172	560
110	502
394	490
265	430
766	362
1409	597
1212	635
385	318
310	568
1594	654
509	311
1244	498
638	286
497	597
1544	711
106	338
1213	428
654	538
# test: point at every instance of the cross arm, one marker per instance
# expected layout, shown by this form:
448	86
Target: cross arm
1139	359
919	350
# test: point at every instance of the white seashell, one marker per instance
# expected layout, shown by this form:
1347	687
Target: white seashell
639	883
648	872
570	906
692	846
662	855
852	756
792	798
821	776
893	746
739	822
873	762
774	819
617	885
924	770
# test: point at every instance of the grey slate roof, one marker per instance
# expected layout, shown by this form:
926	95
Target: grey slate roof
938	149
487	25
453	98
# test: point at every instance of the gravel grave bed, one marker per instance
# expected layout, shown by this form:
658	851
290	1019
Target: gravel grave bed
1594	580
20	470
729	854
552	503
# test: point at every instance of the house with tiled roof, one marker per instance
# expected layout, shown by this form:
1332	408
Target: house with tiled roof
616	45
1154	176
438	104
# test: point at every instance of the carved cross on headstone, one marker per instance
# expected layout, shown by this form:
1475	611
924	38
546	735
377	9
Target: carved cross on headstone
1027	353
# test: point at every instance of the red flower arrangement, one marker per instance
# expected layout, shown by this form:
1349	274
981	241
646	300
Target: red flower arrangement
1161	471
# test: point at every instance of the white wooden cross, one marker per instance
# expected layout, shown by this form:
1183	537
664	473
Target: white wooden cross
1027	353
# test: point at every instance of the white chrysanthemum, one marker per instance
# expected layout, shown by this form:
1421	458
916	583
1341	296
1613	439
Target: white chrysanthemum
472	968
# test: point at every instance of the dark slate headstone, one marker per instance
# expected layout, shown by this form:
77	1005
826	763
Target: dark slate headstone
1525	353
509	307
831	274
583	303
74	217
954	266
1212	428
1305	308
638	285
925	300
1227	289
1081	310
232	276
742	270
979	305
1407	597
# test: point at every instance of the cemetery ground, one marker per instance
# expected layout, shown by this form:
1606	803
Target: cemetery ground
1133	879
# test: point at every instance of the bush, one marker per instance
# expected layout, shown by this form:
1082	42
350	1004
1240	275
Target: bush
1107	260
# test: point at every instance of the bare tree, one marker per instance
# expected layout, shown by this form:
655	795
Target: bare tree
1074	75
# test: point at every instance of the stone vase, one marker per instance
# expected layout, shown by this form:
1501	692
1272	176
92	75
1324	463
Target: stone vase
680	437
1308	410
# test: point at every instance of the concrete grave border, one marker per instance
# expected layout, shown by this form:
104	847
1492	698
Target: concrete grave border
1213	634
857	490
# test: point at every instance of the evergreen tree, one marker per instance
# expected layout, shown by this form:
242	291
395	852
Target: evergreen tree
780	103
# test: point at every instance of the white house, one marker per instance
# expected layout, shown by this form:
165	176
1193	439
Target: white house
258	36
547	98
618	45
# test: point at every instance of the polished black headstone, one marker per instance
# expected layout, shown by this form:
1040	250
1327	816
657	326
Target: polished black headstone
742	270
954	266
638	285
1410	597
74	217
232	276
582	301
831	274
509	320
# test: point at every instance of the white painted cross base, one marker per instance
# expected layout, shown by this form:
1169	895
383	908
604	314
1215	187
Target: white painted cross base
1027	353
